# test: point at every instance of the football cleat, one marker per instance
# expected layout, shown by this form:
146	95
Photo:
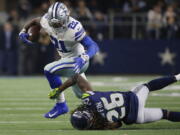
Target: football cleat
57	110
54	93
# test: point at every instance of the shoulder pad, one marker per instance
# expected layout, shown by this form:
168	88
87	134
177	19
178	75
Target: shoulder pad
78	30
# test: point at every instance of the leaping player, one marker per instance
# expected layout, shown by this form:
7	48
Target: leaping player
108	110
73	45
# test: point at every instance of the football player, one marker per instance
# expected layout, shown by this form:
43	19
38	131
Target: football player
70	39
108	110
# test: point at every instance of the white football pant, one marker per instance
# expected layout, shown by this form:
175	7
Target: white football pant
146	115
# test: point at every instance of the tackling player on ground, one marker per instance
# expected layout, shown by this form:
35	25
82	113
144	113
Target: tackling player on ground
108	110
70	40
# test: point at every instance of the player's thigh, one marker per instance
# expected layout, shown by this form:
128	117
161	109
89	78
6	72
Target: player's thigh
63	62
141	92
64	67
68	72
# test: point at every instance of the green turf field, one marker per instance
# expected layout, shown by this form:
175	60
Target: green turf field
24	100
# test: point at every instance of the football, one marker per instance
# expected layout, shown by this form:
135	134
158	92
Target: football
34	33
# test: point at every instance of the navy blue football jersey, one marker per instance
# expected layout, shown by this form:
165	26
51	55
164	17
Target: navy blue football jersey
114	106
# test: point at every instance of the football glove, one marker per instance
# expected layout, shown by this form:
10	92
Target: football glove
53	94
23	36
80	61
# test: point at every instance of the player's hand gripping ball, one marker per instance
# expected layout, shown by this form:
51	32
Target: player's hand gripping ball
31	36
34	33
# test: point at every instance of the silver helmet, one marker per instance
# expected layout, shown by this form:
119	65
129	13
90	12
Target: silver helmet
58	15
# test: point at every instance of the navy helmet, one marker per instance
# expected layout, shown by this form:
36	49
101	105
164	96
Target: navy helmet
82	119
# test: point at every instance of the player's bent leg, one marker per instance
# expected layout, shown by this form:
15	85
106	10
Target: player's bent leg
53	71
160	83
54	80
141	92
156	114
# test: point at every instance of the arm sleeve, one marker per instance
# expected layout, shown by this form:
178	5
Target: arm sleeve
92	47
80	33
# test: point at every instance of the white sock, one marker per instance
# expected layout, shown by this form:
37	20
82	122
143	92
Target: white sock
61	98
177	77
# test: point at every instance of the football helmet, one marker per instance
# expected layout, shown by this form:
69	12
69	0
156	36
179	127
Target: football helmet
58	15
82	119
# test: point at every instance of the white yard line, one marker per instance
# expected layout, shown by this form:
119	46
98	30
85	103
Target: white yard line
34	103
31	122
45	122
112	84
127	84
39	109
163	102
21	115
22	108
73	103
166	94
23	99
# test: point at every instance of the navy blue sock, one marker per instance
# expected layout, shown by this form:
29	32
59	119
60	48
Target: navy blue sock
54	80
171	116
174	116
160	83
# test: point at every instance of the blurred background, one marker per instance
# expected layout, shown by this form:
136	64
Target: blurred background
134	36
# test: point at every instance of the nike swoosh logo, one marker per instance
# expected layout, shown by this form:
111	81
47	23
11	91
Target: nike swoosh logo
51	115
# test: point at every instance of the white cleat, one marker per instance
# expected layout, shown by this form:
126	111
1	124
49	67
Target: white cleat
177	77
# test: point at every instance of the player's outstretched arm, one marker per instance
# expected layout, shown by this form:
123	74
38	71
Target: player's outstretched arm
83	84
162	82
76	79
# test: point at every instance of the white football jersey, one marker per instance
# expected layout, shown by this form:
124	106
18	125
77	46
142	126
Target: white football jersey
66	41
